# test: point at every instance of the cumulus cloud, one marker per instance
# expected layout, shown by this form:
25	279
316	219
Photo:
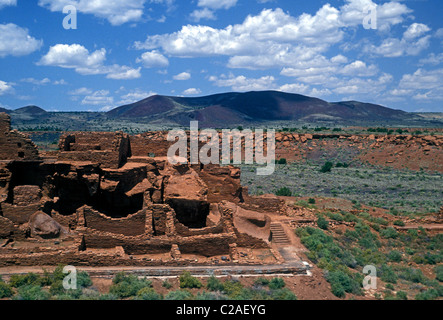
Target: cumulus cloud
7	3
117	12
98	98
182	76
5	88
153	59
242	83
274	38
134	96
77	57
413	42
16	41
192	91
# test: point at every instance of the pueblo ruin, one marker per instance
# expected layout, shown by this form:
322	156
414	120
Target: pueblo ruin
110	199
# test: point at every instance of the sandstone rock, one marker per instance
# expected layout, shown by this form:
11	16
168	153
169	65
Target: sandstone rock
44	226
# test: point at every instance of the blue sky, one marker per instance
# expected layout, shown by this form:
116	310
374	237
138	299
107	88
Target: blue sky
385	52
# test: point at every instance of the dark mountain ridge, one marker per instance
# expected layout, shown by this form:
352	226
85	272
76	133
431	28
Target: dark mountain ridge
231	108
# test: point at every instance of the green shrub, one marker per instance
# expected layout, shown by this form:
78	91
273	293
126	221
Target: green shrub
30	279
233	289
387	274
322	223
282	161
125	286
327	167
166	284
439	273
311	201
188	281
5	290
32	292
277	283
399	223
401	295
413	275
179	295
284	192
431	294
346	282
395	256
261	282
149	294
283	294
389	233
214	284
210	296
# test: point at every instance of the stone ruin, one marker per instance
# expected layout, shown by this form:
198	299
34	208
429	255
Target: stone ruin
110	199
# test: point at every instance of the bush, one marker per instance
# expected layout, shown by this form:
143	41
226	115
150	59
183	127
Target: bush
401	295
166	284
188	281
30	279
389	233
5	290
261	282
128	286
430	294
214	284
387	274
277	283
283	294
311	201
439	273
327	167
394	256
322	223
210	296
399	223
179	295
341	281
149	294
284	192
32	292
282	161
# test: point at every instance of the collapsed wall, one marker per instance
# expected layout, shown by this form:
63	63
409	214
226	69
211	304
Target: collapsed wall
15	145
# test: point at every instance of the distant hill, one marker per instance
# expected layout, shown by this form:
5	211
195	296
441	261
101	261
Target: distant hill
239	108
30	110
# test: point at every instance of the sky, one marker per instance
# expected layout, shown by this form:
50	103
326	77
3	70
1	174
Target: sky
95	55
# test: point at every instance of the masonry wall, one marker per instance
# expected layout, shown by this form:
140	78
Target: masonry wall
133	225
15	145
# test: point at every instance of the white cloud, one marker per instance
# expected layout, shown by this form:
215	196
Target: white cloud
36	81
242	83
201	14
98	98
117	12
6	3
77	57
135	96
432	59
5	88
217	4
182	76
80	91
16	41
413	42
192	91
153	59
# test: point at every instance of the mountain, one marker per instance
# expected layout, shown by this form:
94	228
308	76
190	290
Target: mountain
30	110
233	108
